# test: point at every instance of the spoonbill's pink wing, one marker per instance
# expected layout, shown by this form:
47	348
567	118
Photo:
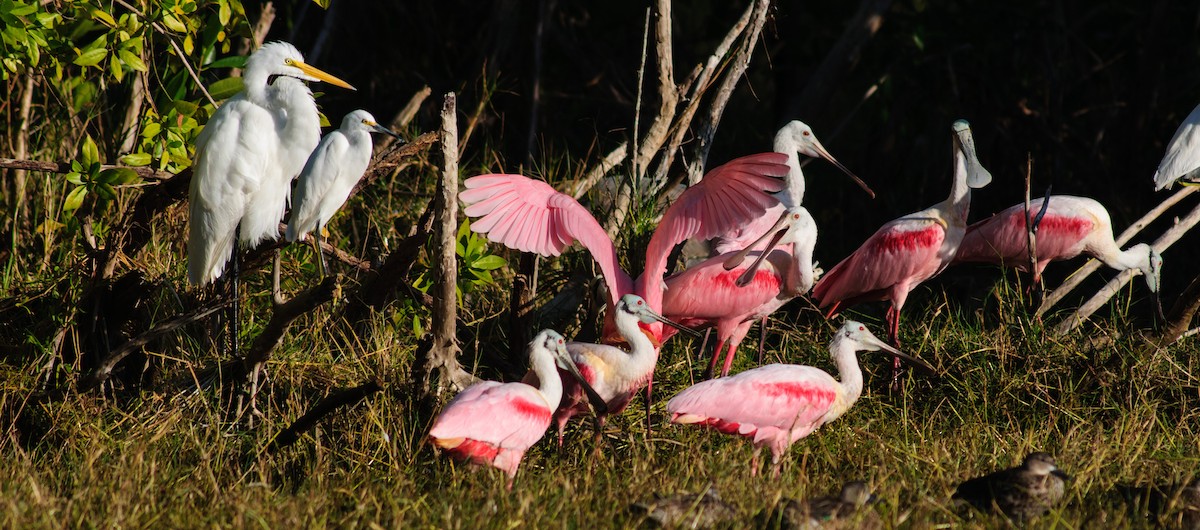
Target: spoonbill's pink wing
729	196
531	216
491	415
902	253
1001	238
758	403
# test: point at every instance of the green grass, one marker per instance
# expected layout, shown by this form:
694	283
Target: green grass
160	460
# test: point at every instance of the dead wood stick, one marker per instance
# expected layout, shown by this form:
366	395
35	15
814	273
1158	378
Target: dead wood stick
1113	286
144	172
1076	278
346	397
102	372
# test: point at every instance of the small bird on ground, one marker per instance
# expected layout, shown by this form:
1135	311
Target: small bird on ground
825	512
1022	493
690	510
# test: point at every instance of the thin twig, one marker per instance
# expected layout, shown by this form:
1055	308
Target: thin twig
175	46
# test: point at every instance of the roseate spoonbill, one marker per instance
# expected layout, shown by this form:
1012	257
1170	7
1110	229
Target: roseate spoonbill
778	404
909	250
794	139
1024	492
494	423
688	510
1069	226
728	292
330	174
614	374
812	513
1183	154
247	156
1174	505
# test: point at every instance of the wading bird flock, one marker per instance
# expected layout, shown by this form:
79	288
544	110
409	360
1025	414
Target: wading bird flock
762	242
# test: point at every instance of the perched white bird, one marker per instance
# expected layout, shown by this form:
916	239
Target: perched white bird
329	175
1183	154
247	155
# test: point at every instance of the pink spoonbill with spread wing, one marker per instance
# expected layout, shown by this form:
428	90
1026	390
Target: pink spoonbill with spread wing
909	250
778	404
1068	226
495	423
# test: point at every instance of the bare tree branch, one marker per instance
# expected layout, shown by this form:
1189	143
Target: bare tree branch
1100	298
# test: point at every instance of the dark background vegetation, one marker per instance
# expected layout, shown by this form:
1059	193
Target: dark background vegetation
1089	91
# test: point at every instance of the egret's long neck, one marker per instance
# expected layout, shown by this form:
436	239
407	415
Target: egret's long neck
550	385
793	193
846	358
299	124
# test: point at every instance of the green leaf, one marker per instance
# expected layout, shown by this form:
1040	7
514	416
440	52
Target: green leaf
91	57
324	120
186	108
136	159
151	129
233	61
482	276
75	178
224	12
488	263
75	198
106	192
23	10
88	152
173	23
118	175
226	88
104	17
323	3
131	60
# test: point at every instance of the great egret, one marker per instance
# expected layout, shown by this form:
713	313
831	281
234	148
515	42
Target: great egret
329	175
247	156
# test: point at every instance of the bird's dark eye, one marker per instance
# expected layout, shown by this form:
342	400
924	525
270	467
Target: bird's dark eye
806	133
289	62
365	122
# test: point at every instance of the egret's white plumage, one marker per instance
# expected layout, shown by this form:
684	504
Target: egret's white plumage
331	172
1183	153
249	151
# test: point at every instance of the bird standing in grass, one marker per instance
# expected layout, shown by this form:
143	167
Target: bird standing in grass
1022	493
731	293
495	423
778	404
614	374
1069	226
331	172
688	510
909	250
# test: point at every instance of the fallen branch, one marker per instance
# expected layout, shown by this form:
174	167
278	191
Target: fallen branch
1161	245
1076	278
102	372
347	397
145	172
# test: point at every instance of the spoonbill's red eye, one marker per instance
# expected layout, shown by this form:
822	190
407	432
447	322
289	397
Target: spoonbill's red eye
639	302
860	328
806	133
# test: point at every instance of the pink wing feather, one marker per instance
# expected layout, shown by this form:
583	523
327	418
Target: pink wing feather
727	197
905	250
531	216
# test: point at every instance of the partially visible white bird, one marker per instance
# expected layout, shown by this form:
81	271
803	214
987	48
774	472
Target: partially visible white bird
331	172
1183	154
247	155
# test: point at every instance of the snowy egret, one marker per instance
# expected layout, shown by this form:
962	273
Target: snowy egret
332	170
